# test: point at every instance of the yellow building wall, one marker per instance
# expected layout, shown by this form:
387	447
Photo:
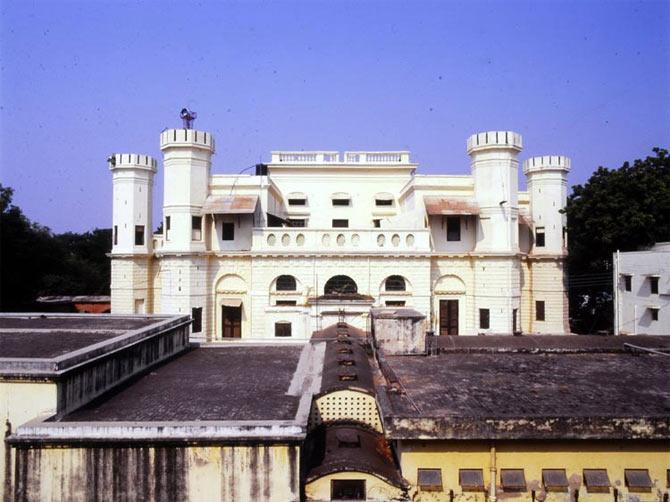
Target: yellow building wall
207	473
375	488
19	403
533	456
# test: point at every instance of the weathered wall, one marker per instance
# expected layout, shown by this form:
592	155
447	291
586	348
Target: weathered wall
375	488
150	473
533	456
19	403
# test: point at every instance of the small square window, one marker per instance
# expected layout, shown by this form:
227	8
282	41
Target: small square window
539	310
654	314
116	235
471	480
513	480
539	237
484	319
653	284
228	231
453	228
196	228
555	480
637	480
340	223
167	228
376	223
395	303
383	202
429	480
285	303
341	202
297	202
596	481
282	329
628	282
139	235
196	315
347	489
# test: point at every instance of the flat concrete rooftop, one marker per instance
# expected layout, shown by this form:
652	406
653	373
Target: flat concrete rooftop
222	383
483	388
44	345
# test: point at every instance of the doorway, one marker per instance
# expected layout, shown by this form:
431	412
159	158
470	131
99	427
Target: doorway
231	318
448	317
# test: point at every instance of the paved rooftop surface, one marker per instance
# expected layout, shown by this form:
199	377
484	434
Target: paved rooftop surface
588	387
222	383
42	344
73	322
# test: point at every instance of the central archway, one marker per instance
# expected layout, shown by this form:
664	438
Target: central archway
340	285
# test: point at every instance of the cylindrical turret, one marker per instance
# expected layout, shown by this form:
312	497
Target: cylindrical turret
547	178
132	181
187	158
495	169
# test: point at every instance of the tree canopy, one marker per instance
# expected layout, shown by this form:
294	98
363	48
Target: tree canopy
616	209
34	261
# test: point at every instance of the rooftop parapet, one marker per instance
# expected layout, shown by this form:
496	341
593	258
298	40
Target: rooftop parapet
347	158
131	161
187	138
546	163
494	139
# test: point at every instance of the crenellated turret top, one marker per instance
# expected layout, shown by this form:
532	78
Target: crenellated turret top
131	161
494	139
546	163
187	138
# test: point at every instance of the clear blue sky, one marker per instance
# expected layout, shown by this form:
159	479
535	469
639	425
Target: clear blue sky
81	80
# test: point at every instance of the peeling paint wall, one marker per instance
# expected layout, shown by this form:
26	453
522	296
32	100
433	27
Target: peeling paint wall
533	456
151	473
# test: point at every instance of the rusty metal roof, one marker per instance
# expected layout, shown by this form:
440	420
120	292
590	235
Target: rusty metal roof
230	204
371	454
442	205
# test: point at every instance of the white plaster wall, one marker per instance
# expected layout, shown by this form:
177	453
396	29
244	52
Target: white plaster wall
634	306
438	232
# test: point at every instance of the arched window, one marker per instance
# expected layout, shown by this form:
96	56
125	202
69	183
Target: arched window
395	283
286	283
340	285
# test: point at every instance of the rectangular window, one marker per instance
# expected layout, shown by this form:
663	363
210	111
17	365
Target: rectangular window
167	228
139	235
596	480
285	303
383	202
340	223
653	283
539	237
347	489
395	303
637	480
282	329
196	228
116	235
196	315
484	319
539	310
513	480
297	202
555	480
341	202
139	306
228	231
429	480
297	222
274	221
628	282
453	228
471	480
654	314
376	223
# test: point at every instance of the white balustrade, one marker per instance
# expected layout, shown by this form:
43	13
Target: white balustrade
340	240
327	157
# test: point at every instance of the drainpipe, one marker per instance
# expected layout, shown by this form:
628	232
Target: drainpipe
615	283
492	487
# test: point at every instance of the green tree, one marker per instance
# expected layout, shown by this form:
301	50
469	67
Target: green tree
626	209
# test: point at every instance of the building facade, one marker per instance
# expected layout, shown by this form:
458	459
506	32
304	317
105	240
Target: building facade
316	237
642	291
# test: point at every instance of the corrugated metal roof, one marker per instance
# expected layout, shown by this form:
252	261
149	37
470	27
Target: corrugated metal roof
230	204
440	205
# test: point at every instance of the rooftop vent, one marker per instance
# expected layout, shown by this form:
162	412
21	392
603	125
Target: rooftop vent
344	350
346	361
348	376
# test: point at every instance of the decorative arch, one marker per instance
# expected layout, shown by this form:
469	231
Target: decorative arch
340	285
449	285
230	283
395	284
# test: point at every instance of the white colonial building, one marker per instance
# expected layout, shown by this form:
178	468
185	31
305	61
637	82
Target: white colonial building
316	236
